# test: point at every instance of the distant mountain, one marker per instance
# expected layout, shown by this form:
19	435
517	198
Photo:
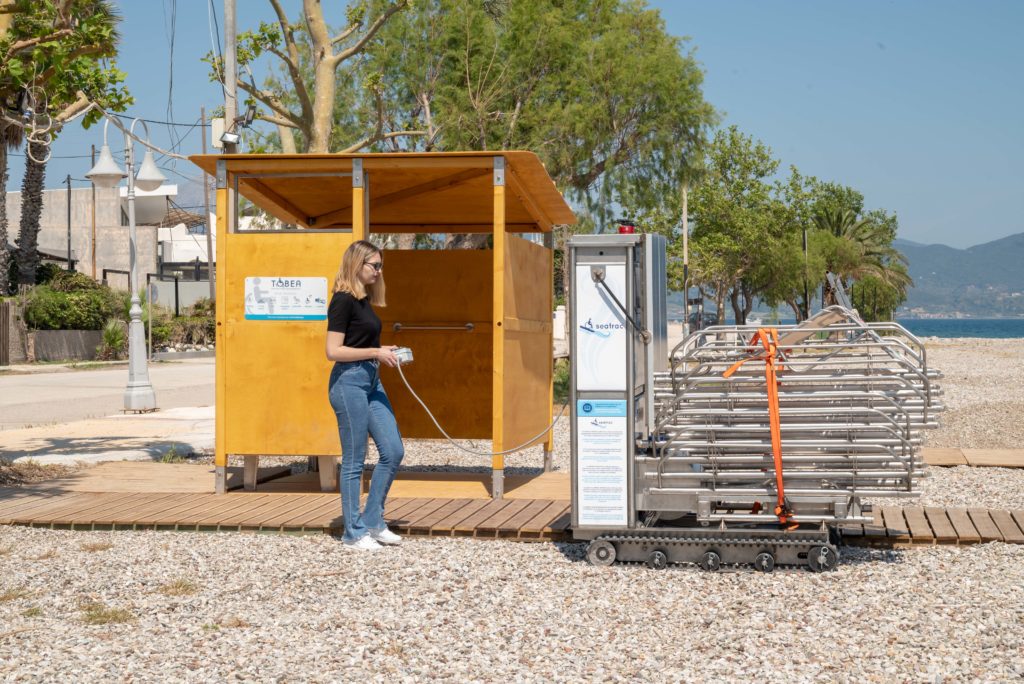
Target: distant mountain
986	280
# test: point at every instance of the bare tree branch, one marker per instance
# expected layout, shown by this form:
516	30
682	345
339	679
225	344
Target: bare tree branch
292	60
274	102
23	45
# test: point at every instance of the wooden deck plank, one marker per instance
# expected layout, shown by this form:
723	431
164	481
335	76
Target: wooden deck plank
560	524
251	503
413	518
183	504
264	513
321	516
126	516
895	526
920	530
301	505
535	525
126	507
468	525
961	522
66	515
983	523
394	509
1018	517
447	525
489	526
1007	527
944	531
425	524
512	526
402	515
35	503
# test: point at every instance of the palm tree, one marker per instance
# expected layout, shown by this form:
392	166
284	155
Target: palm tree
10	139
861	247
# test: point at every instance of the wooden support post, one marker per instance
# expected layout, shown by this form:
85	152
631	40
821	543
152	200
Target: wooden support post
225	213
549	441
328	469
250	471
498	354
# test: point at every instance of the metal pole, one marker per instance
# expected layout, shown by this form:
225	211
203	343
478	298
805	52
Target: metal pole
69	223
230	72
209	226
138	395
93	163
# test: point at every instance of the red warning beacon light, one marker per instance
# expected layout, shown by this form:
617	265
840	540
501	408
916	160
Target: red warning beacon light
626	227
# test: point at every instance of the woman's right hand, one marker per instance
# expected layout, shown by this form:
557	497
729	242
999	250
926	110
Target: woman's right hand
386	355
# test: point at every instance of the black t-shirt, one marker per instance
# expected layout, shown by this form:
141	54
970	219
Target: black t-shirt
356	319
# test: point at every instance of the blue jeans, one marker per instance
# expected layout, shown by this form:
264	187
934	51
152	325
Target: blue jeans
362	409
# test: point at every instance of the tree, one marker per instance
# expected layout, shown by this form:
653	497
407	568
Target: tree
56	66
738	222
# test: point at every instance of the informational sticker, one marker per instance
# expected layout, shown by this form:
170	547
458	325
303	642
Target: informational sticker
602	462
600	330
285	298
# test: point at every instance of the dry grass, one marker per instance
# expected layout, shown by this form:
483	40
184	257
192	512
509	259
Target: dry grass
46	555
234	622
27	472
13	594
95	613
93	547
179	587
5	550
35	611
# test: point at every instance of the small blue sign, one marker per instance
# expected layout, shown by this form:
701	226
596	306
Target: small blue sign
609	408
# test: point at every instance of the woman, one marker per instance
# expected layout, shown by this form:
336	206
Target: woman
358	398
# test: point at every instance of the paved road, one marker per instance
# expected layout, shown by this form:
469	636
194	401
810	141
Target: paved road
62	396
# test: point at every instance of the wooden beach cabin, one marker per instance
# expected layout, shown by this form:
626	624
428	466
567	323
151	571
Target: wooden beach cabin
478	321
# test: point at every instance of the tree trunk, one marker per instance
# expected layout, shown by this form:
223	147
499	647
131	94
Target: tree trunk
31	208
720	303
748	303
405	241
798	311
734	300
5	256
466	240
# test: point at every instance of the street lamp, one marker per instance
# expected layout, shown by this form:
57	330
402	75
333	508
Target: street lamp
138	395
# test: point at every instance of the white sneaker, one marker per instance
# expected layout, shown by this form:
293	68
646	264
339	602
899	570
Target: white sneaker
386	536
364	543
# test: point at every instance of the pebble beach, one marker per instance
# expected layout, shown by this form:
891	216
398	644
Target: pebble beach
198	607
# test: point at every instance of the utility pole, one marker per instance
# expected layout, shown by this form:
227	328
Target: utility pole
91	165
807	296
230	73
206	215
70	267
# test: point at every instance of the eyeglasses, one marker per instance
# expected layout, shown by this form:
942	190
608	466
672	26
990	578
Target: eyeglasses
375	265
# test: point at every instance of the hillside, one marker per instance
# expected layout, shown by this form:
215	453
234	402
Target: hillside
986	280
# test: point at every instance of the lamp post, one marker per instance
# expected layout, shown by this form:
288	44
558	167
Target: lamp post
138	395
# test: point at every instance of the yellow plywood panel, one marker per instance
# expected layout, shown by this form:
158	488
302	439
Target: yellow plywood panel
527	382
529	275
274	388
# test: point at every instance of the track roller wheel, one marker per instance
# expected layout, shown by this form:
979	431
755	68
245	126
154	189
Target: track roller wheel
822	558
657	560
764	562
711	561
601	552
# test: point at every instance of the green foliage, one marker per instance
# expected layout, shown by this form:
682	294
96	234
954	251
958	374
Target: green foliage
72	281
49	309
561	381
115	341
203	307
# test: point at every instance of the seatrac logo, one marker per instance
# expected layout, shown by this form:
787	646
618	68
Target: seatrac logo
600	329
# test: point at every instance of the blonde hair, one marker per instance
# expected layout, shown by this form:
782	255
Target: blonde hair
347	279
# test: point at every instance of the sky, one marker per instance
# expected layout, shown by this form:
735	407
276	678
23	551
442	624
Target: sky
918	104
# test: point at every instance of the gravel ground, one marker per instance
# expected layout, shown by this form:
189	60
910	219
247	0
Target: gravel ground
202	607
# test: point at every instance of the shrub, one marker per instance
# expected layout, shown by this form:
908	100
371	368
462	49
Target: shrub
73	281
48	309
115	340
204	307
193	330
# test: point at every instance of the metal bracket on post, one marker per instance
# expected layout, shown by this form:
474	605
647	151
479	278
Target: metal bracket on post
499	171
222	174
498	484
357	173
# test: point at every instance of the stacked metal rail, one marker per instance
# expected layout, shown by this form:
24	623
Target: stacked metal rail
853	399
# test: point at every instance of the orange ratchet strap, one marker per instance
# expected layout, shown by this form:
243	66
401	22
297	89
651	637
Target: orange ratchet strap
769	339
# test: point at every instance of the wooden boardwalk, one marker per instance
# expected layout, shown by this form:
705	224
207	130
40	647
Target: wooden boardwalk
156	496
524	519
